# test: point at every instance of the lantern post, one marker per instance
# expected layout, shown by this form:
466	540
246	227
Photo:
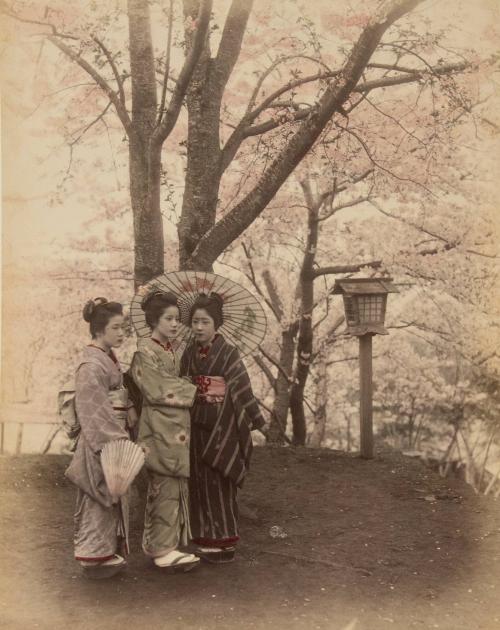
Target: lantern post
365	301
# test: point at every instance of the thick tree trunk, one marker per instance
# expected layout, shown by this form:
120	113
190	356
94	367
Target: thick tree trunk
203	153
144	165
204	98
145	200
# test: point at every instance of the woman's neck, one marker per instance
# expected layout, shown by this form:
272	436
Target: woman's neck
204	344
102	346
158	336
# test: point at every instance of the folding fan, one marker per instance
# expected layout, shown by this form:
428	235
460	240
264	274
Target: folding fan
121	461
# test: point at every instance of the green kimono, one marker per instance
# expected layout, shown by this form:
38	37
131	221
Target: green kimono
164	430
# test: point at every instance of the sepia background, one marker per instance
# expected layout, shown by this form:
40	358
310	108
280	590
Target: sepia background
401	182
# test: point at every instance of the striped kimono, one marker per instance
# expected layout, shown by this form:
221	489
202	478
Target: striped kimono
221	443
101	528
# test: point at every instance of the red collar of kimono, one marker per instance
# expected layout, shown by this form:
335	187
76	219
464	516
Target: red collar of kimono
166	346
110	354
204	350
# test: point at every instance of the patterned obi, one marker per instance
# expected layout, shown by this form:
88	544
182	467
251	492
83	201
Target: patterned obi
211	389
119	401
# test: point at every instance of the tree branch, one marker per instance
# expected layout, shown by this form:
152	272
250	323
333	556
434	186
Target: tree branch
410	75
167	62
111	61
83	131
418	76
276	364
98	78
229	228
168	122
342	206
269	375
378	165
275	301
335	269
232	37
253	280
7	11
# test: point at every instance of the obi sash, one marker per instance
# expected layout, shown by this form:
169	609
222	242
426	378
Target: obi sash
119	401
211	389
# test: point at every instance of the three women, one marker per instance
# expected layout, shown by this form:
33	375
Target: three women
195	432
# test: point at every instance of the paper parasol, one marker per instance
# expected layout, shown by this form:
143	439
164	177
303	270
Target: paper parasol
244	318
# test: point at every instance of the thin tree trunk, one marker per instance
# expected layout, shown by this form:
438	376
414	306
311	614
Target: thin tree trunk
348	418
319	426
279	416
305	340
485	460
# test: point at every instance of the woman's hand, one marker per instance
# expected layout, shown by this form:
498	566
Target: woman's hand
132	418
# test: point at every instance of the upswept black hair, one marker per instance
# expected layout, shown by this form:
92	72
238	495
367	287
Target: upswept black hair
154	305
98	312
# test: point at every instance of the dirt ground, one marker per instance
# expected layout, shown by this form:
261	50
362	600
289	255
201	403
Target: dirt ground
357	545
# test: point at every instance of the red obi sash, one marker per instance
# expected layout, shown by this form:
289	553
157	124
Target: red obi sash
211	389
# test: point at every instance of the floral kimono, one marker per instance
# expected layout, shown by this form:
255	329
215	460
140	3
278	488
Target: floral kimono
101	528
164	429
222	417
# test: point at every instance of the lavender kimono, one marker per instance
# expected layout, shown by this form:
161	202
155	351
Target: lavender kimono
101	528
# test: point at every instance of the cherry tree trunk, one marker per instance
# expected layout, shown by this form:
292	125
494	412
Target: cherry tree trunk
318	432
203	158
279	416
305	340
144	162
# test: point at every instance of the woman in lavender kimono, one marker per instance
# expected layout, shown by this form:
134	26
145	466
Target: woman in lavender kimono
224	413
101	403
164	432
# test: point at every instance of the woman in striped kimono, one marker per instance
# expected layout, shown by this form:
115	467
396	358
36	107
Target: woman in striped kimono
164	430
224	413
101	403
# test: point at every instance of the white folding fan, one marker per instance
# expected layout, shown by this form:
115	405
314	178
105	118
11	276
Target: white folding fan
121	461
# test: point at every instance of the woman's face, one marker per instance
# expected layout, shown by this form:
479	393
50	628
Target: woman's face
113	335
203	326
168	324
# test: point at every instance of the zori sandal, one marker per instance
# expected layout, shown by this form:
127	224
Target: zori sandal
177	562
216	555
98	570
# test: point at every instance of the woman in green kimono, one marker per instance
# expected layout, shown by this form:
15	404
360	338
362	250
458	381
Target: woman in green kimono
164	432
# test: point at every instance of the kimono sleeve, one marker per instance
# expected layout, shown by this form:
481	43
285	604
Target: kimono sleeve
93	408
158	387
239	382
185	371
